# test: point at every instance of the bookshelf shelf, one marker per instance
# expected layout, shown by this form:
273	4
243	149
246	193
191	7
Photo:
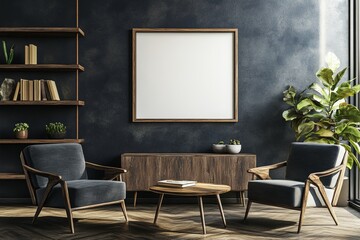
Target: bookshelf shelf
35	141
41	32
43	103
13	176
28	89
41	67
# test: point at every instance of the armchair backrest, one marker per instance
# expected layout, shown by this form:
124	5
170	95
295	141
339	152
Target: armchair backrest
64	159
306	158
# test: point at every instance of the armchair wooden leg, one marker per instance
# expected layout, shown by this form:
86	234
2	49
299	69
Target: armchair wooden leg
123	208
48	189
67	205
247	210
303	204
328	204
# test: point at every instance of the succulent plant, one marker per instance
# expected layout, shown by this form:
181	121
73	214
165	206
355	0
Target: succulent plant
56	127
234	142
21	127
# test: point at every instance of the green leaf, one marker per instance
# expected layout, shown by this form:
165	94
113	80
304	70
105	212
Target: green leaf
340	127
321	140
5	51
325	76
316	87
305	128
325	133
349	112
338	78
289	114
308	103
355	146
351	133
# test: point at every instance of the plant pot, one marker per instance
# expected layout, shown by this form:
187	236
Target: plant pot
219	148
56	135
233	149
22	134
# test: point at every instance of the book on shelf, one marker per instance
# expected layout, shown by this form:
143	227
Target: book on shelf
16	93
53	90
176	183
31	90
36	90
30	54
27	55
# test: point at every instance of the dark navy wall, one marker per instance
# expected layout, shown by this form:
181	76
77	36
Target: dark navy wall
278	45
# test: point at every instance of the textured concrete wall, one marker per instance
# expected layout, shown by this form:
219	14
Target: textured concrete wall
279	44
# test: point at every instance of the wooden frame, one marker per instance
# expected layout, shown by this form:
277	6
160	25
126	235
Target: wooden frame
194	99
314	179
110	173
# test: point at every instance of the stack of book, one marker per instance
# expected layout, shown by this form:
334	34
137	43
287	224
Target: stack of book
30	54
177	183
36	90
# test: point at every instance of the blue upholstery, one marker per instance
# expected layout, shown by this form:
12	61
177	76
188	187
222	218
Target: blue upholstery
306	158
85	192
67	160
64	159
287	193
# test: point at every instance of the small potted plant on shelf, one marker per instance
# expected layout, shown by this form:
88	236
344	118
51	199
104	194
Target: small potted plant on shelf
219	147
56	130
8	56
21	130
234	146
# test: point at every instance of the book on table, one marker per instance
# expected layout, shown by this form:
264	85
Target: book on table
176	183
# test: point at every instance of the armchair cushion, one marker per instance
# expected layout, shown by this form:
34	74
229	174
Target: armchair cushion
64	159
306	158
284	193
85	192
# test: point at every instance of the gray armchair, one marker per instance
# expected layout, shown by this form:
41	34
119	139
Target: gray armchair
314	175
56	177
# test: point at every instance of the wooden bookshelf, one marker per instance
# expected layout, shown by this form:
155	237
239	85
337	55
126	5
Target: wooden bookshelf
41	67
13	176
41	32
35	141
43	103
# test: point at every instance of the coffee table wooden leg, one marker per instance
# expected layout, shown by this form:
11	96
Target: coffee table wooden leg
202	214
158	207
221	209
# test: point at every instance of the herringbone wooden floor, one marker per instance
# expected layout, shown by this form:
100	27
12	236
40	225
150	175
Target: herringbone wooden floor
178	221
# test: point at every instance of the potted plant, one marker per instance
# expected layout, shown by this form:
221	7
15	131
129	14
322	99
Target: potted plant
56	130
8	56
21	130
219	147
234	146
321	114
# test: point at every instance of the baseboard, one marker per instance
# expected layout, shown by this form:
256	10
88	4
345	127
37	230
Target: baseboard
15	200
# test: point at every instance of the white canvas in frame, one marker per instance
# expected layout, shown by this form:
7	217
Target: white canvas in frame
185	75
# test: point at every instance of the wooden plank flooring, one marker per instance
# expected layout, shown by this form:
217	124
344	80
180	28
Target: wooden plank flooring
178	221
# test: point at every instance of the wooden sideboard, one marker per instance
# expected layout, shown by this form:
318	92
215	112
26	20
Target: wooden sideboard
145	169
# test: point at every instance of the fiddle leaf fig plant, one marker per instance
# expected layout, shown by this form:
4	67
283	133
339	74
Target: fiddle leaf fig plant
320	112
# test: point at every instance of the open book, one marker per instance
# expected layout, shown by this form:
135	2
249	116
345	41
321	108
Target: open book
176	183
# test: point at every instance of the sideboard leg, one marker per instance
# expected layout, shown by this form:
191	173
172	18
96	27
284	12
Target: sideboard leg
242	196
135	198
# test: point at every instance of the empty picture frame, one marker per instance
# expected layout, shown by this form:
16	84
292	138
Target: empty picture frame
185	75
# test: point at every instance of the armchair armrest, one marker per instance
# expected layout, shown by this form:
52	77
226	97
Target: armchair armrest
263	171
48	175
110	172
317	175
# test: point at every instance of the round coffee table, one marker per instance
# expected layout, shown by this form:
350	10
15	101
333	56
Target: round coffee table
199	190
